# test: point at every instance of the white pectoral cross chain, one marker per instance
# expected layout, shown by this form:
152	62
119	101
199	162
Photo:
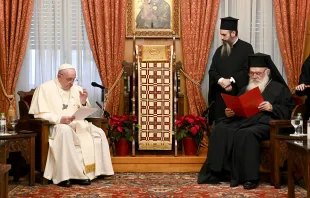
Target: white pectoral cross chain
64	106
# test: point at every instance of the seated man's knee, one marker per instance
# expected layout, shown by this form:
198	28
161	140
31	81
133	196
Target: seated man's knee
64	130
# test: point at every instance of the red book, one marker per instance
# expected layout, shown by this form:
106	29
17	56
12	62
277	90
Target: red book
245	105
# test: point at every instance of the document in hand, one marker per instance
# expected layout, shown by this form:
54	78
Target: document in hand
82	113
245	105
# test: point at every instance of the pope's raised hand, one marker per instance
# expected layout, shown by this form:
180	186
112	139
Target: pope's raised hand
83	96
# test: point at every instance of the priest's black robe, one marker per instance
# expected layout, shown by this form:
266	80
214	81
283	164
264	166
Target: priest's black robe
234	144
236	66
304	78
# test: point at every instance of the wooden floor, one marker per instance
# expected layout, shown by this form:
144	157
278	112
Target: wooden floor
159	161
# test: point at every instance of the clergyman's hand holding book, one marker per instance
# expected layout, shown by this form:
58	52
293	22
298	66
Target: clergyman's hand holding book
245	105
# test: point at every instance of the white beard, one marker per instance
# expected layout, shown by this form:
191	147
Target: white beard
226	49
260	84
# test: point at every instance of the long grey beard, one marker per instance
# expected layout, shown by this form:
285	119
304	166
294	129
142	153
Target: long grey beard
260	84
226	49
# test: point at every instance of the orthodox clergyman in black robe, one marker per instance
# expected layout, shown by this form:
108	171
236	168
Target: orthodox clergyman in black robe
303	87
229	70
234	144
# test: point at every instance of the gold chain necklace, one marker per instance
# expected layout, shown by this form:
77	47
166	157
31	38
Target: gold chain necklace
64	106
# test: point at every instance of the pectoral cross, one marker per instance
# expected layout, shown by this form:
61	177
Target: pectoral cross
64	106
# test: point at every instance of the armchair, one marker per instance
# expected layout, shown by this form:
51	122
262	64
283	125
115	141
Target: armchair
41	127
274	150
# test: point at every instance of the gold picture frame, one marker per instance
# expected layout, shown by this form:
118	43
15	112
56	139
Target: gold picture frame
152	24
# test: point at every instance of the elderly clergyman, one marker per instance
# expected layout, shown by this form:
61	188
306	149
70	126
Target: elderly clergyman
234	143
78	150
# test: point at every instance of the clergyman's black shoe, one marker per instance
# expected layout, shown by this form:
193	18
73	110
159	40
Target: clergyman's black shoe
65	183
83	182
233	183
250	185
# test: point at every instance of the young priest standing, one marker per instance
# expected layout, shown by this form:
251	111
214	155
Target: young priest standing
229	71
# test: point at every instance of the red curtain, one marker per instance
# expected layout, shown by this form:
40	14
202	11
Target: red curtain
198	19
106	25
291	20
15	20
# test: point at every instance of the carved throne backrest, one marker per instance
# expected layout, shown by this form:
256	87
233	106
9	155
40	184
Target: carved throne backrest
24	103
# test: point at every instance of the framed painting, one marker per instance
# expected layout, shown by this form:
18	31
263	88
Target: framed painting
152	18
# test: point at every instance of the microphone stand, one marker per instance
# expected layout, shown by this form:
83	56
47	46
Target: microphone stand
107	115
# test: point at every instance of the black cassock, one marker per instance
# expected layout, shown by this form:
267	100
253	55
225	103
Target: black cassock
304	78
234	144
236	66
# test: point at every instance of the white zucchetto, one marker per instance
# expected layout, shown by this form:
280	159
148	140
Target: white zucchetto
65	66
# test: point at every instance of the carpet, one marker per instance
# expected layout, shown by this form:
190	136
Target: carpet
148	185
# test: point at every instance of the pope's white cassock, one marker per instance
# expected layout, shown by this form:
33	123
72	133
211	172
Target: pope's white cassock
79	150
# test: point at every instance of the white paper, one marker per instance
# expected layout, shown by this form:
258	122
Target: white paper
82	113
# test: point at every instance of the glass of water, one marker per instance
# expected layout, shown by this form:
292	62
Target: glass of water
13	120
296	121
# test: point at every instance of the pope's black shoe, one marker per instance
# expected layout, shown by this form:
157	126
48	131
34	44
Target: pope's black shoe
65	183
83	182
250	185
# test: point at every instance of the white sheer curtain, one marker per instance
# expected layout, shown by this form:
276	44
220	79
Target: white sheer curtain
256	25
58	36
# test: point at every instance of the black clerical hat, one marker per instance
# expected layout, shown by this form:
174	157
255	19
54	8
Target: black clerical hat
264	60
229	23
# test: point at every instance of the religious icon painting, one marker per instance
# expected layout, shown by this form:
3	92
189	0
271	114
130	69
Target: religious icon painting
153	18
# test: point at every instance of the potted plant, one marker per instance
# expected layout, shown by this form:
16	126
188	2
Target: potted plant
190	129
121	132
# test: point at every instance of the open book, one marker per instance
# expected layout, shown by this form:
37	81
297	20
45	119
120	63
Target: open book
82	113
245	105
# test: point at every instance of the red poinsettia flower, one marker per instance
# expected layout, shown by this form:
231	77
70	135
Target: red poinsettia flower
190	126
122	127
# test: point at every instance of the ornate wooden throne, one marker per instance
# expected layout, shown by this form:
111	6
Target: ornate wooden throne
152	93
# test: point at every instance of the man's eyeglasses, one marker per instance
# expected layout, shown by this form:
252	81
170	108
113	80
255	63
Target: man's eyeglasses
251	74
69	80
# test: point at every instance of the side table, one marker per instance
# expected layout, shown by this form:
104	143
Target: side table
298	152
4	169
276	154
24	143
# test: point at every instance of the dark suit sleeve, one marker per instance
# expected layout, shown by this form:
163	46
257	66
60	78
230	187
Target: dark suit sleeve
284	105
241	77
213	74
304	77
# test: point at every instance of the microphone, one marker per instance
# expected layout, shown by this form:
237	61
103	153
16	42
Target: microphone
94	84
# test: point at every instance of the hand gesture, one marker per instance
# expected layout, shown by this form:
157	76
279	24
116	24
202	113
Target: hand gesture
225	83
66	119
229	112
83	96
228	88
265	106
300	87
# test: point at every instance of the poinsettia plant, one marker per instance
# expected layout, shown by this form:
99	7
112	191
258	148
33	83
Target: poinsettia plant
191	126
122	127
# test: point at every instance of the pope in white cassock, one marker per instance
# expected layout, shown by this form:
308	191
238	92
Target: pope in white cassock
78	150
